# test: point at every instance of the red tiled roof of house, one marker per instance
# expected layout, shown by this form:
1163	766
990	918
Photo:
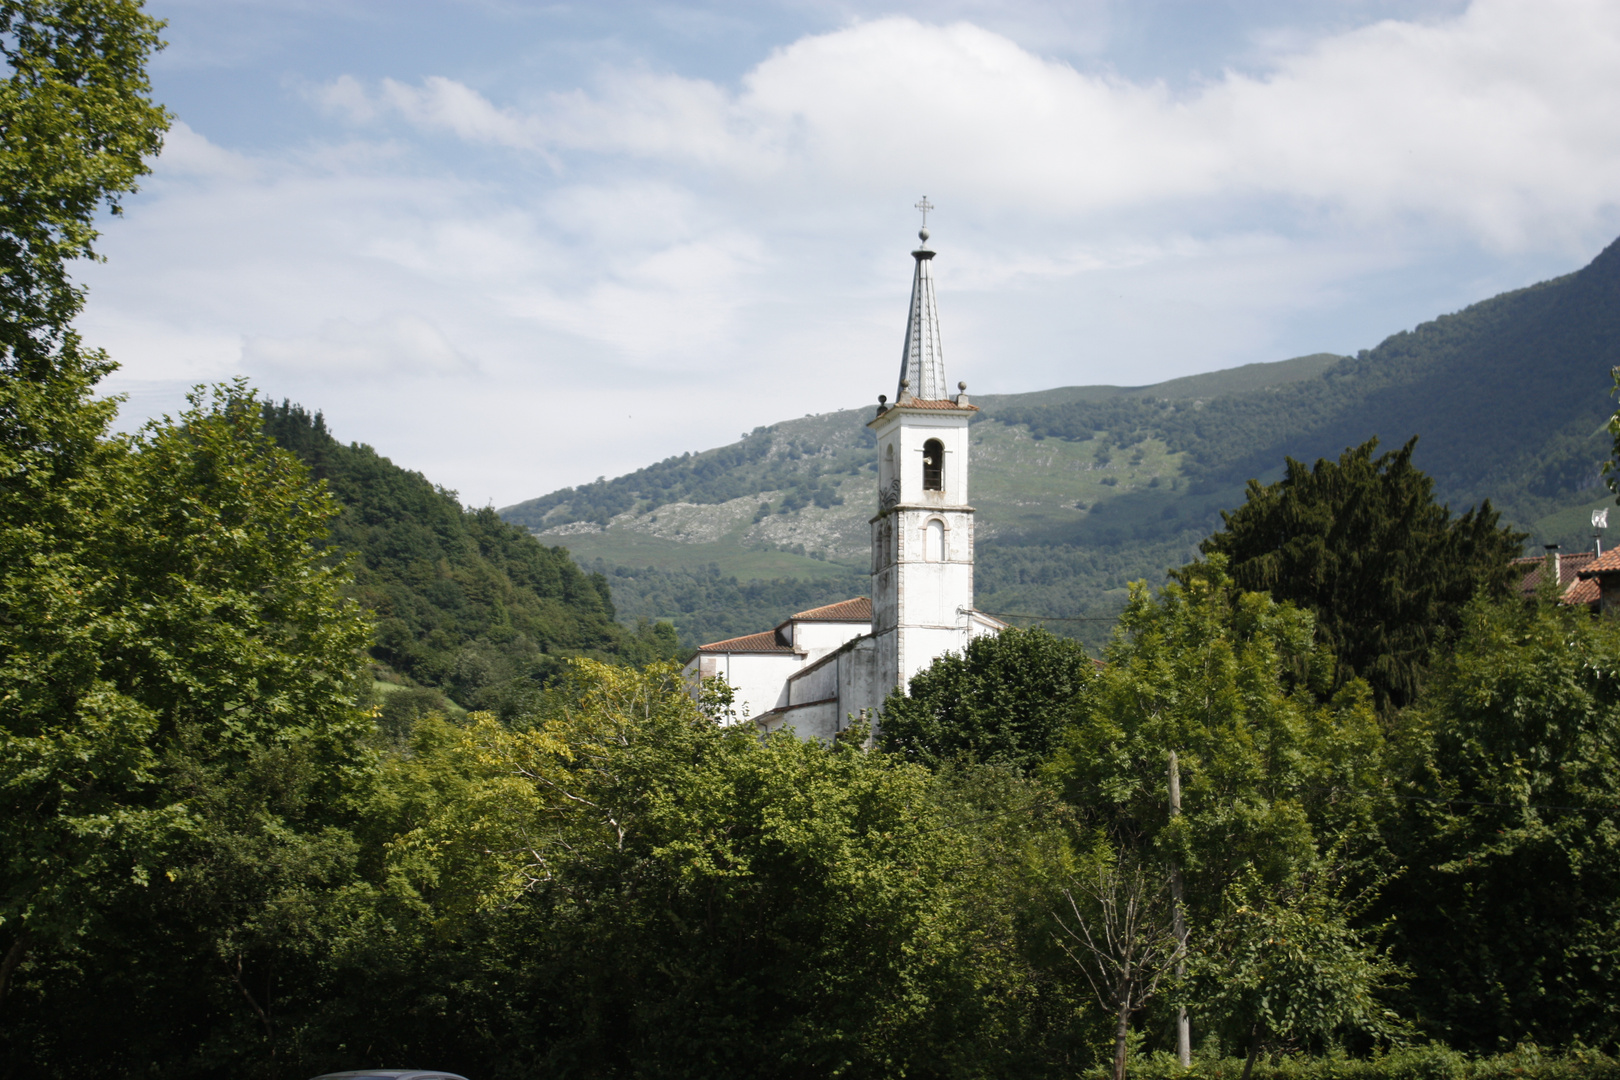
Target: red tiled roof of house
856	609
766	642
1608	561
1570	567
1587	591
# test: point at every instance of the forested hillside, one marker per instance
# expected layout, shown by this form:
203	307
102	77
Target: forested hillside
1081	489
1508	396
462	600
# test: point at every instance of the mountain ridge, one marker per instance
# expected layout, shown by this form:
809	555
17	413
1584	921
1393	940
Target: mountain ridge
1080	488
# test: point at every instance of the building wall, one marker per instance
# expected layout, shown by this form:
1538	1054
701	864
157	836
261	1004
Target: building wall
817	639
849	678
758	679
761	680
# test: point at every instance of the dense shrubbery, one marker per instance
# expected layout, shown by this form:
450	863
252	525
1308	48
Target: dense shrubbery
1430	1062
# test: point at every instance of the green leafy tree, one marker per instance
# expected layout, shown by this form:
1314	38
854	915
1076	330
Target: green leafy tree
1361	544
1511	833
77	128
1295	968
1004	700
622	887
75	125
178	722
1272	781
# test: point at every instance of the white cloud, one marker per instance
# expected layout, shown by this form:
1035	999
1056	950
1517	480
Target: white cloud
341	349
1498	118
447	105
186	153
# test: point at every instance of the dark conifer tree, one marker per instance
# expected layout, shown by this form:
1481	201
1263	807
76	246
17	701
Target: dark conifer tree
1361	543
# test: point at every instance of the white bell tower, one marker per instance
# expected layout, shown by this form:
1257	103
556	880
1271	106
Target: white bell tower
922	535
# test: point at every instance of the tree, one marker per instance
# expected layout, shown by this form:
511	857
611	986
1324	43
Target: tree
620	886
1274	785
1117	930
1361	545
1289	967
77	127
1004	700
1511	832
179	724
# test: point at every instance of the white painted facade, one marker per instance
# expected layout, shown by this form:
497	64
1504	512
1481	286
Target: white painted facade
818	672
760	668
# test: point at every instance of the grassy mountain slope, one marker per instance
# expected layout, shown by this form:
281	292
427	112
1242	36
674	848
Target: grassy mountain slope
1081	489
464	602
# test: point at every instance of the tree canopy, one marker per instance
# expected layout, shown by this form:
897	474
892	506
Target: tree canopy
1004	700
1361	544
79	125
1510	832
1280	795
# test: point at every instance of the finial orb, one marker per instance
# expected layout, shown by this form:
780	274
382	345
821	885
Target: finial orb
922	234
906	383
883	399
962	386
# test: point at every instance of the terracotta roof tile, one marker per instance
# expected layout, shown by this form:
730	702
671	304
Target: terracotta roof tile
1608	561
855	609
942	403
766	642
1583	592
1570	568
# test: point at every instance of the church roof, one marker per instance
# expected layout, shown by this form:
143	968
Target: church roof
766	642
922	364
856	609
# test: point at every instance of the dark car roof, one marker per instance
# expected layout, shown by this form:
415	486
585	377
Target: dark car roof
391	1074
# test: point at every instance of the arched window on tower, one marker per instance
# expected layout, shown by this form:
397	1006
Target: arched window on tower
933	465
934	541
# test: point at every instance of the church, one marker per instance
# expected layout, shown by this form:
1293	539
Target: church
819	669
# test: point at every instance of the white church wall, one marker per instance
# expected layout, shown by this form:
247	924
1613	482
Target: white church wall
817	639
818	720
815	683
758	680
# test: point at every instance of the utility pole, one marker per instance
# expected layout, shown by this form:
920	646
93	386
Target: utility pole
1178	923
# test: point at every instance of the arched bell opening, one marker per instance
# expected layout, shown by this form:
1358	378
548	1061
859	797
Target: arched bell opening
933	465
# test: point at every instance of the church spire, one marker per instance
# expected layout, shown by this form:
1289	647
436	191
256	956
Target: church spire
922	366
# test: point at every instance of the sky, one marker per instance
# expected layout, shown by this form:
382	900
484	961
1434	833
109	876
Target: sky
517	246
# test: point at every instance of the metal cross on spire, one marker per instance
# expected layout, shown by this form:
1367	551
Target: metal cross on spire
924	205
